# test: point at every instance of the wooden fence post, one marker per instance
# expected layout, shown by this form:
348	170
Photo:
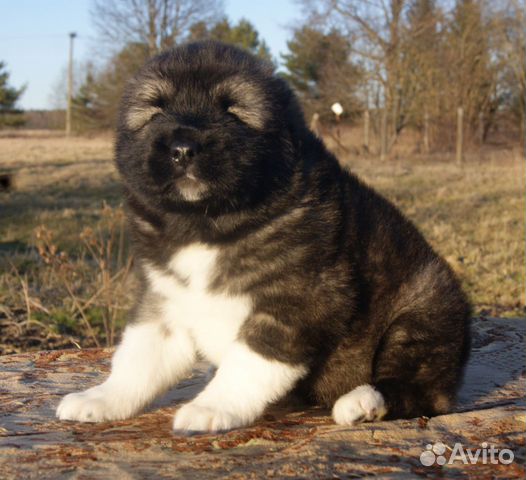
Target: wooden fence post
383	135
366	131
426	132
460	139
481	128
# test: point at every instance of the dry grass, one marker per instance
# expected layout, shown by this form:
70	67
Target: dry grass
62	255
74	290
472	215
58	182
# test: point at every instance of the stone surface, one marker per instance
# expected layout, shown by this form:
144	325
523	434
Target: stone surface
284	444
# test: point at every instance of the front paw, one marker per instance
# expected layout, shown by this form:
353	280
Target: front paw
193	418
97	404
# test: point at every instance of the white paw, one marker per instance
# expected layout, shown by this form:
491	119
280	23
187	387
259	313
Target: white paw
193	418
96	404
362	404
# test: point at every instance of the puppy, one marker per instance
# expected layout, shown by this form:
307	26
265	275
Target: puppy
257	251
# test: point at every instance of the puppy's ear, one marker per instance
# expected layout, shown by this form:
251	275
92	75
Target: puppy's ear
246	100
149	95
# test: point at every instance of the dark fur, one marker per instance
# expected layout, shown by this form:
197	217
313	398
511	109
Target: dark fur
339	279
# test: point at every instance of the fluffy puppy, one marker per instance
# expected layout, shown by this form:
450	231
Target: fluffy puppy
257	251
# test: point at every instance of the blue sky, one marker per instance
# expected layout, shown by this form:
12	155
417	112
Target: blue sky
34	38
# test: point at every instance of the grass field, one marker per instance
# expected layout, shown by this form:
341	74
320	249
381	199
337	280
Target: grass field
63	255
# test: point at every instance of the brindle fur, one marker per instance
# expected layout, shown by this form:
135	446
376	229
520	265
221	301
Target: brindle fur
339	279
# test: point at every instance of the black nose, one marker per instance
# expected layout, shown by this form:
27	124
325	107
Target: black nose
182	153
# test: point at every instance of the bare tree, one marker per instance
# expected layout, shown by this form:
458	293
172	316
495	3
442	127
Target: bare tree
472	72
319	68
423	49
159	24
377	30
424	59
511	28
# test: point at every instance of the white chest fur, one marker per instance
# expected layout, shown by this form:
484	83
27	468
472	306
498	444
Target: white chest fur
212	319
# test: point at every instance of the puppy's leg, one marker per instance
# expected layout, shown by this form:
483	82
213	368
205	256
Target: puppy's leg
244	384
148	361
417	370
363	403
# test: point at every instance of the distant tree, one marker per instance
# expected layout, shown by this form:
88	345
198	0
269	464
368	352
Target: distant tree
137	29
473	73
510	23
377	30
86	108
422	51
10	115
96	102
423	59
158	24
422	55
243	34
320	69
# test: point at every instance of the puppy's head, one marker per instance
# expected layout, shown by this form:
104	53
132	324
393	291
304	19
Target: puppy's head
206	123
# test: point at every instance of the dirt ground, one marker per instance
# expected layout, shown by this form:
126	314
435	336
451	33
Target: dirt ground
288	442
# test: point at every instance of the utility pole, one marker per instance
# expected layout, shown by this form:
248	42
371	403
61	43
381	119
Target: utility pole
72	36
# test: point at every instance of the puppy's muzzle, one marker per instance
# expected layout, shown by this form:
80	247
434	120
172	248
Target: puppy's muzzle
182	155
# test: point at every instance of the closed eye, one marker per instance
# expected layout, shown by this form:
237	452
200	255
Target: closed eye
227	106
159	102
225	103
231	114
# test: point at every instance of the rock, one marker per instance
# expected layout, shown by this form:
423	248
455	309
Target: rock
284	444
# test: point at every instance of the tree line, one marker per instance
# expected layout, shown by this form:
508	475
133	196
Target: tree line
10	115
415	63
404	63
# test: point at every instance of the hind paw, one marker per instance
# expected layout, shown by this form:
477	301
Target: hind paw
363	404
